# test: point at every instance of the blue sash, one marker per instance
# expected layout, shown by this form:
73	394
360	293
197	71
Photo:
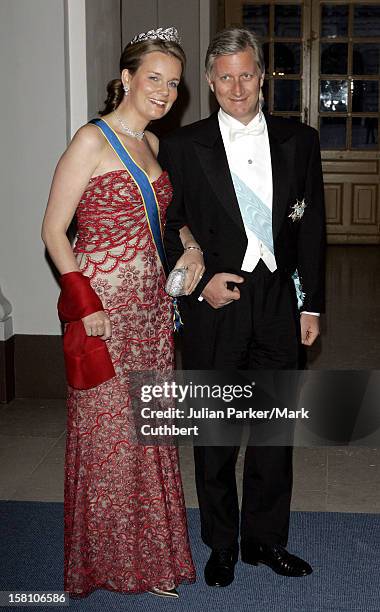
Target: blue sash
144	186
256	215
258	218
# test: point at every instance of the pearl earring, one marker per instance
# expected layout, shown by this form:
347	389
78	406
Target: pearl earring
126	90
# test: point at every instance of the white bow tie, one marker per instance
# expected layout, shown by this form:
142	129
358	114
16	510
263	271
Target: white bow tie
256	129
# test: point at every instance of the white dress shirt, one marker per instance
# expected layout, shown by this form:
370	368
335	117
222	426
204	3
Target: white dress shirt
248	154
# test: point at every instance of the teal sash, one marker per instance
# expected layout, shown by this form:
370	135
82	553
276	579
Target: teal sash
143	183
258	218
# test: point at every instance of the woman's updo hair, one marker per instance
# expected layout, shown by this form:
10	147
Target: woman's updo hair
131	59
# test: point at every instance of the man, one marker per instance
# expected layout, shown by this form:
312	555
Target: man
250	189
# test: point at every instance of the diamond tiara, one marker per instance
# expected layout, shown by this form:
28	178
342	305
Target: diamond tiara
167	34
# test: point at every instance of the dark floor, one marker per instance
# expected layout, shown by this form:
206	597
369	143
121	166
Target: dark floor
340	479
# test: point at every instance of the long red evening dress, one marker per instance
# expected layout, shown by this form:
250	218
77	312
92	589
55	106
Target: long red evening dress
125	521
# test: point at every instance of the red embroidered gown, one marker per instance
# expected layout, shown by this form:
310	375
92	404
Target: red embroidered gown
125	521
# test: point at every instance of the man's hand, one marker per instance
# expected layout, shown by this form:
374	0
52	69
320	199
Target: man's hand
309	328
216	292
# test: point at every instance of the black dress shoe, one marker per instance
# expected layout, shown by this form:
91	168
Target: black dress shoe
277	557
219	570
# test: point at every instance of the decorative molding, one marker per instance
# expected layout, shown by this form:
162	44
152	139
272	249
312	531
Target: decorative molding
364	209
334	203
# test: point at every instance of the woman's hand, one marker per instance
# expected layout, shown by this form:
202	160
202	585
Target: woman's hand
98	324
192	260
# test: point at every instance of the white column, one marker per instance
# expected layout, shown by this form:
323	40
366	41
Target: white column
76	68
6	327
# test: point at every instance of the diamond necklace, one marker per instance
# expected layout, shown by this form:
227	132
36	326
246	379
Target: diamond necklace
128	130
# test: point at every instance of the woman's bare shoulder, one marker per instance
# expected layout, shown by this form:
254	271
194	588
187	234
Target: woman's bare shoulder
89	137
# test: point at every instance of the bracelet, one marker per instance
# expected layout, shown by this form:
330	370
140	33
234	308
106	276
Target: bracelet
195	248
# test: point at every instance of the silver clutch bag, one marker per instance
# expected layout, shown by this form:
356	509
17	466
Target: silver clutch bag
175	284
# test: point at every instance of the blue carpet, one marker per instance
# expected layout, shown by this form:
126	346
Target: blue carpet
343	548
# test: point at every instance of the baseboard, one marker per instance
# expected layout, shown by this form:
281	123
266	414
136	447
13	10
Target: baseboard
7	370
39	367
31	366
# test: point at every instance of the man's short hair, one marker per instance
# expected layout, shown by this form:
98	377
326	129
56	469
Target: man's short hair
233	40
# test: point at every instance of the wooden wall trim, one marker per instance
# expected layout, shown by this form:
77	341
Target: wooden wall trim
38	366
7	371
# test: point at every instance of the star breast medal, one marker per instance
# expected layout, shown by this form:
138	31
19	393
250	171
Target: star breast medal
298	210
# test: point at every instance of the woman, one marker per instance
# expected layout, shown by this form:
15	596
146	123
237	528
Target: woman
125	522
